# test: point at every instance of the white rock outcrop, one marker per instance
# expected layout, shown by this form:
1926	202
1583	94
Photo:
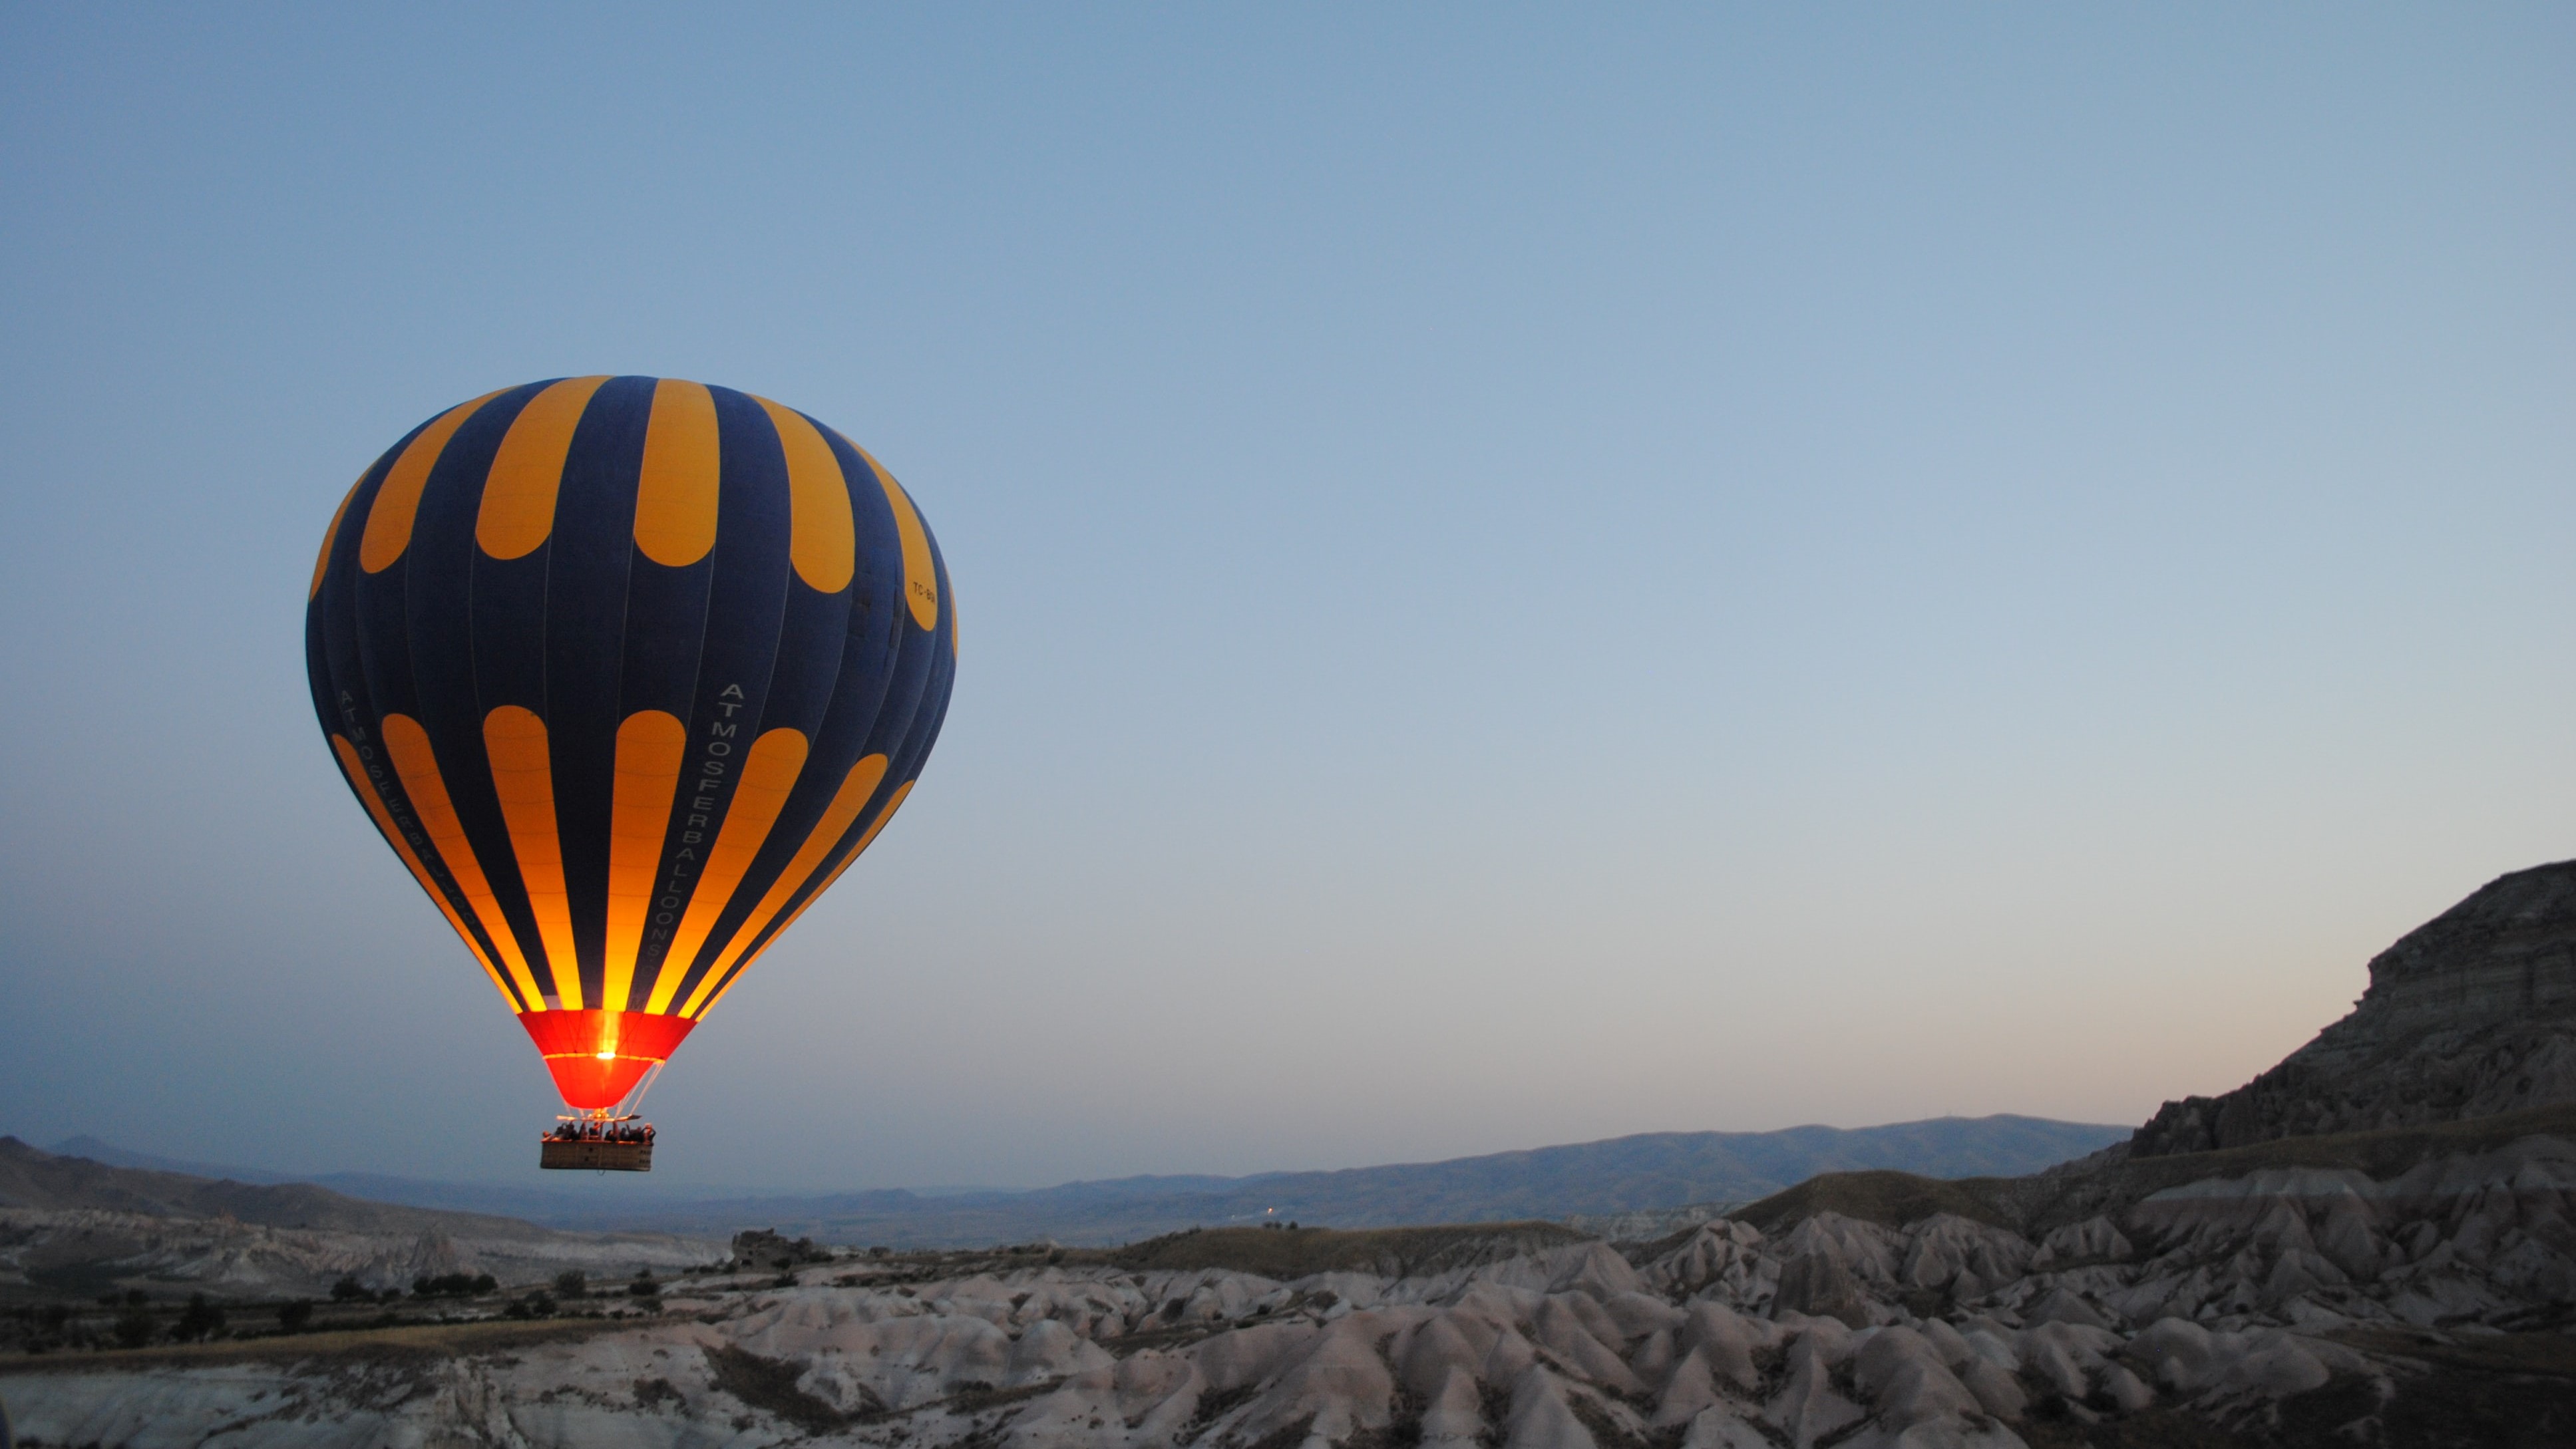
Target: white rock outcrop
2218	1296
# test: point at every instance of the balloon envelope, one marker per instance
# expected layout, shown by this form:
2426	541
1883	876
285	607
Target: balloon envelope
626	670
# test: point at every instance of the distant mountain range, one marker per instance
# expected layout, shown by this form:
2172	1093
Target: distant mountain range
1649	1173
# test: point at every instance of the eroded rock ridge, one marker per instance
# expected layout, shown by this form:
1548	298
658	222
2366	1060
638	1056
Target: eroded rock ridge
2469	1015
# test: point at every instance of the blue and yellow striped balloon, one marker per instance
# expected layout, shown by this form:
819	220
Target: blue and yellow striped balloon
627	670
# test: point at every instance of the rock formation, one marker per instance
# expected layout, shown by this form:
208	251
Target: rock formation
2469	1015
67	1220
2273	1305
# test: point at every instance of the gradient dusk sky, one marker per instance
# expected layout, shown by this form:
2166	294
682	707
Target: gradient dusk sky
1525	573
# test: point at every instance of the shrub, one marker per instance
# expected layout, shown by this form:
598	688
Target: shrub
293	1316
486	1283
346	1289
202	1320
134	1327
572	1283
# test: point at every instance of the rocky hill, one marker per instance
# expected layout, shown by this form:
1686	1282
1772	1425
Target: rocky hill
30	1178
2307	1308
73	1227
2469	1015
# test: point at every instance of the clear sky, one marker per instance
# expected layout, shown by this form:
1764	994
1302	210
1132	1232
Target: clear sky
1526	574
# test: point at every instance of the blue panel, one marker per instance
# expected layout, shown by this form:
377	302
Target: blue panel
591	552
911	704
438	624
337	660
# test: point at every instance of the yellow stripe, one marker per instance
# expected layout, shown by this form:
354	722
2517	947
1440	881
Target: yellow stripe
518	509
649	746
523	776
366	788
398	497
920	575
822	538
675	498
768	773
322	561
847	802
894	803
413	760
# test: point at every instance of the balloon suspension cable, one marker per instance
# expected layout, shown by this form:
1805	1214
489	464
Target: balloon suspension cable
633	1106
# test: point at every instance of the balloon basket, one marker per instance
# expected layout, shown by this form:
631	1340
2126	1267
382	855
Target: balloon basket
595	1156
598	1141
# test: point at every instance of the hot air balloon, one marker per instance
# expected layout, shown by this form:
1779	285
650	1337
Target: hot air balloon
627	671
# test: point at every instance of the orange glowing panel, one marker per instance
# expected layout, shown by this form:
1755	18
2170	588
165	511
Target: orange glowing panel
675	497
822	539
768	773
852	797
649	748
322	561
514	740
920	570
389	518
518	509
893	803
374	800
417	766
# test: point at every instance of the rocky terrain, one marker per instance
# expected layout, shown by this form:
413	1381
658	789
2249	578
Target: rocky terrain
71	1228
2471	1014
2293	1304
2375	1248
